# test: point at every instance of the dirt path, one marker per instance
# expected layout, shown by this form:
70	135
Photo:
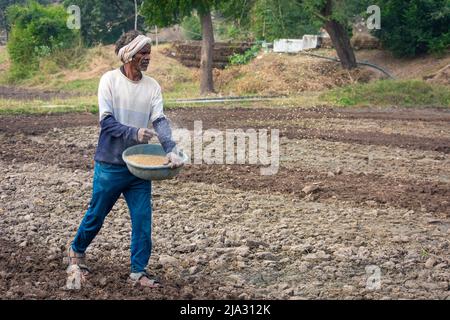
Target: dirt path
213	240
225	231
371	138
358	188
35	124
219	117
17	93
37	275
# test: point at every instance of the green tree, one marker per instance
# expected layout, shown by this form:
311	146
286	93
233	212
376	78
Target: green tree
171	12
413	27
36	31
275	19
191	27
236	15
4	4
335	18
103	21
271	19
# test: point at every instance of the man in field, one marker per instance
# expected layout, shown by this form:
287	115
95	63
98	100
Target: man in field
129	102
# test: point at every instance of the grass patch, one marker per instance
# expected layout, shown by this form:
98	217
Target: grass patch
307	100
89	104
43	81
78	104
3	55
88	86
54	70
403	93
183	90
76	70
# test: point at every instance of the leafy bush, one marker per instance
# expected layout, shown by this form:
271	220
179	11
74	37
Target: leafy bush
246	57
281	19
192	28
36	32
4	4
233	32
103	21
413	27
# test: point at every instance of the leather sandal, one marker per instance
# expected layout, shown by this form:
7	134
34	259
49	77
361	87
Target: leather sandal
79	259
143	279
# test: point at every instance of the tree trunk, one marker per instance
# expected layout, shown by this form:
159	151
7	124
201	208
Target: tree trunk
339	37
206	62
341	42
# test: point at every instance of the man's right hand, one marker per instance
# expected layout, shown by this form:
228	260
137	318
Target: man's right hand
144	135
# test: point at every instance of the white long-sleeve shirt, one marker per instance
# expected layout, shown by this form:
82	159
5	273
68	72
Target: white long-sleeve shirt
132	103
124	107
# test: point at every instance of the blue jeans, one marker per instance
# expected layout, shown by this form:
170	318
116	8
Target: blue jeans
110	181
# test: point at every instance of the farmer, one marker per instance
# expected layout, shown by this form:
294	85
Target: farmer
129	102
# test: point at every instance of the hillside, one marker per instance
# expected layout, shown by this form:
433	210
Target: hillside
268	74
408	69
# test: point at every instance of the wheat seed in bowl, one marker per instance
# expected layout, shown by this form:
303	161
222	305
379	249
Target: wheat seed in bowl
147	160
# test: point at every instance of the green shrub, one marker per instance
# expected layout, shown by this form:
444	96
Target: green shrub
36	32
104	21
439	46
413	27
405	93
192	28
226	30
233	32
281	19
246	57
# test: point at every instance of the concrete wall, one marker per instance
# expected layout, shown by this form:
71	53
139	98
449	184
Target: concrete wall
296	45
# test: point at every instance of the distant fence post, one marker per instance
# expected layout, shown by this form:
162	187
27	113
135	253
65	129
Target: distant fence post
3	37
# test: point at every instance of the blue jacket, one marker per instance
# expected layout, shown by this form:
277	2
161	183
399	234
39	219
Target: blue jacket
115	138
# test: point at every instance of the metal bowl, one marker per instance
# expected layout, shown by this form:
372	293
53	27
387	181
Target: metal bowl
151	172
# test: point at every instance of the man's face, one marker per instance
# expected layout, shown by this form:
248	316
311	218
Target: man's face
141	60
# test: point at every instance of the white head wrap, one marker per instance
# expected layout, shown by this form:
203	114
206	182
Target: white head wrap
127	52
